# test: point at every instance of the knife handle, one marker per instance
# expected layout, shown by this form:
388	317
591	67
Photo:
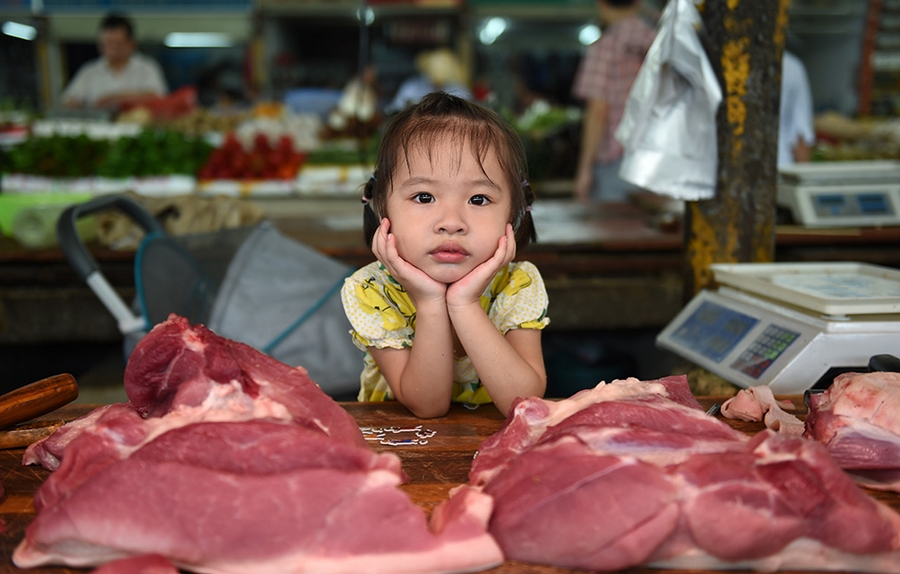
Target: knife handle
36	399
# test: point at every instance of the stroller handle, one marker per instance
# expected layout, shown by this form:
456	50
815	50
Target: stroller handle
70	241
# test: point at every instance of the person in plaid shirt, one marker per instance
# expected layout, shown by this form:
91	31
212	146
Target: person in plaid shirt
603	80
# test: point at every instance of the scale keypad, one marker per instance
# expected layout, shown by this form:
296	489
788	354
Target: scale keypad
764	350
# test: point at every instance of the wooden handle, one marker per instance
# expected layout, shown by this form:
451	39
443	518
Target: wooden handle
37	399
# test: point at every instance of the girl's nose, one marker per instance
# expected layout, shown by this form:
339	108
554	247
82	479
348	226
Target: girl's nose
451	221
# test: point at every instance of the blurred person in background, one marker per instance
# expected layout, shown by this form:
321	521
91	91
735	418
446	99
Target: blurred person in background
603	80
796	134
438	70
120	77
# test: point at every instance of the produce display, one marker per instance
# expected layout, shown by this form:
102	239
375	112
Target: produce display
262	151
550	135
200	122
13	125
264	160
268	149
303	129
351	153
151	152
839	138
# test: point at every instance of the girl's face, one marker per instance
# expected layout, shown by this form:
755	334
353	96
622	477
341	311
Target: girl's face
446	213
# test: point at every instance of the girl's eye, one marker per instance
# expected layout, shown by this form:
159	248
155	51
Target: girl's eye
423	198
479	200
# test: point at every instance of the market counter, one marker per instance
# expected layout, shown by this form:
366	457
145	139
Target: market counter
433	468
606	266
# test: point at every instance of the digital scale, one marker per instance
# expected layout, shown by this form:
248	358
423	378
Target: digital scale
786	325
841	193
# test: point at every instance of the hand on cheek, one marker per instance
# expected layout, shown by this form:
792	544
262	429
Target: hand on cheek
416	282
469	288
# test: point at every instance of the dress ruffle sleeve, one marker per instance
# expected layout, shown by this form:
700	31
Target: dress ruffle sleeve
380	311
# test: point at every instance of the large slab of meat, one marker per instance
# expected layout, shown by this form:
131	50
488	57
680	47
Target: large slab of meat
635	473
858	420
225	460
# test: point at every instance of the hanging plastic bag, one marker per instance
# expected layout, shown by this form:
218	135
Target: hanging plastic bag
668	129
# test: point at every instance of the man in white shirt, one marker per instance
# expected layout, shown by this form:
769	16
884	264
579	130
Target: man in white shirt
796	133
120	76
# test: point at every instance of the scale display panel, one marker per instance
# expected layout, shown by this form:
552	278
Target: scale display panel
838	205
713	330
737	341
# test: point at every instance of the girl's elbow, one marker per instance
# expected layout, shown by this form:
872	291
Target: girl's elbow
429	411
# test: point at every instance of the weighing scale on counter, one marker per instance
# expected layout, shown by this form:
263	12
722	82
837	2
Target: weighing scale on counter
791	326
841	193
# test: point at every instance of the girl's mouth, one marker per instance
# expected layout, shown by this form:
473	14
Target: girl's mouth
449	253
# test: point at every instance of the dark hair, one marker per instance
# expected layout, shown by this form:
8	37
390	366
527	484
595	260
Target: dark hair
440	115
115	21
621	3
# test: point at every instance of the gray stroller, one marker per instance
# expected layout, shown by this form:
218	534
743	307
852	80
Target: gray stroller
250	284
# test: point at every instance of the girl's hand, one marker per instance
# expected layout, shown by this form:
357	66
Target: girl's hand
469	289
417	283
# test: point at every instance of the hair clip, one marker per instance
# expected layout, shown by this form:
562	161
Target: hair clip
373	178
524	182
528	208
365	200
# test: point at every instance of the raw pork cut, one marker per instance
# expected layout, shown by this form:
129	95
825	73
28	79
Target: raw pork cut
858	420
175	364
621	476
232	471
759	404
190	374
255	496
150	564
115	418
530	419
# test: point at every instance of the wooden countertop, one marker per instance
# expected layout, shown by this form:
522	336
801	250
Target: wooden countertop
433	468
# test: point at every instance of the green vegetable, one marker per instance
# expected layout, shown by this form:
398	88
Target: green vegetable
152	152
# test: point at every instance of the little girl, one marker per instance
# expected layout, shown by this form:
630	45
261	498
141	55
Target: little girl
444	314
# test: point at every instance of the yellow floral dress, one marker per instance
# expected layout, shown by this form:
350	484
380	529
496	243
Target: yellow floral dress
383	316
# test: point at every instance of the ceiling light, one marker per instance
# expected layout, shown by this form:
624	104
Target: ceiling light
16	30
369	16
492	30
197	40
589	34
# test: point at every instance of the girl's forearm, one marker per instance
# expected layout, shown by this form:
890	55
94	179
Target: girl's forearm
426	384
502	369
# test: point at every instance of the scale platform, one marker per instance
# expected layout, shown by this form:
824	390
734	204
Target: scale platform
786	325
842	194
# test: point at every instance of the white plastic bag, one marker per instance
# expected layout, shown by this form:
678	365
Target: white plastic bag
669	126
